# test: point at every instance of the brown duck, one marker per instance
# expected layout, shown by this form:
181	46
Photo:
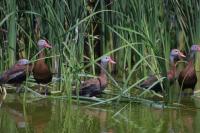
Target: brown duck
17	73
175	55
95	86
41	71
187	77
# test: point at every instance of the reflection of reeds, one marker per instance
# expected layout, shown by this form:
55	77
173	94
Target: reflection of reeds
139	34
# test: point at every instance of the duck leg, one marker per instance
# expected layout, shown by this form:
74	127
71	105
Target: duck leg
19	89
46	91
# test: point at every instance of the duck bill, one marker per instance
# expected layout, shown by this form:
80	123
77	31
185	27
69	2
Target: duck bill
47	45
112	61
182	55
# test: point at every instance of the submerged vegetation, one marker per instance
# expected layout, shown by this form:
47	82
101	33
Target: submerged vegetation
138	34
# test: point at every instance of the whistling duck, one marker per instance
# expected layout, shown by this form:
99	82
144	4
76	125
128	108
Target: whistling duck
175	55
17	73
41	71
187	77
95	86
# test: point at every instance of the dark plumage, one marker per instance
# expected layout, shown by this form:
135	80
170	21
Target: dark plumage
175	55
187	77
95	86
41	71
17	73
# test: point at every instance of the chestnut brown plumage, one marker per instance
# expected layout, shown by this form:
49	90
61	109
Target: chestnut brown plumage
95	86
175	55
41	71
17	73
187	77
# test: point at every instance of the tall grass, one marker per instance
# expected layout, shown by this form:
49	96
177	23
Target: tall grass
139	34
11	7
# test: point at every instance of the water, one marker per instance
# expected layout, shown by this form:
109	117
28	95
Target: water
57	116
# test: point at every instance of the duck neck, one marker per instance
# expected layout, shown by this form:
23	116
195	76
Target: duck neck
41	53
103	69
173	61
191	57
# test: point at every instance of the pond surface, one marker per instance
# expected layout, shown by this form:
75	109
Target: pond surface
57	116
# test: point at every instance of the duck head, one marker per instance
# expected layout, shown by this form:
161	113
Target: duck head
176	55
107	59
43	44
195	48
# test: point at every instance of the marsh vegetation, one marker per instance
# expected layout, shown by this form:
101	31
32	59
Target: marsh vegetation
138	35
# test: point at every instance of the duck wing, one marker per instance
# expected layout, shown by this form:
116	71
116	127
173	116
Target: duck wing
15	74
148	82
90	88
